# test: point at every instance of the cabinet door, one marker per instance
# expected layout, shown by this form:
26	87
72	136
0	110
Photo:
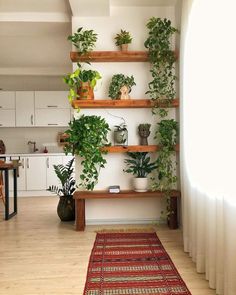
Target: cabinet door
52	178
55	117
24	108
7	100
35	173
7	118
51	100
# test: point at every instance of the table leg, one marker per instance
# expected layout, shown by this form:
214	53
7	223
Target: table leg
6	186
15	189
80	214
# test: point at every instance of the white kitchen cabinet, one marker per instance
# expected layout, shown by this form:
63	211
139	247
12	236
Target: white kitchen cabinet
21	178
24	108
52	178
36	173
7	118
52	117
7	100
51	100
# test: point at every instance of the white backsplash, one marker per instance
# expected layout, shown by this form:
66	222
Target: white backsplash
16	139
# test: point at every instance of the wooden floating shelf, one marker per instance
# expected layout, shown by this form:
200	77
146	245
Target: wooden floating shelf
134	148
122	194
111	56
126	103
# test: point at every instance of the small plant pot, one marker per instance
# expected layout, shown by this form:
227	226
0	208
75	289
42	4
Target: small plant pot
85	91
121	137
124	47
140	184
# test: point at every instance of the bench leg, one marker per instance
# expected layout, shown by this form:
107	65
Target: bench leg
79	215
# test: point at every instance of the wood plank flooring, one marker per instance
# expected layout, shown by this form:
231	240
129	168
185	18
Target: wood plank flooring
39	255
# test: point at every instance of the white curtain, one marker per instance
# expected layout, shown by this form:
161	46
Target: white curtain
208	138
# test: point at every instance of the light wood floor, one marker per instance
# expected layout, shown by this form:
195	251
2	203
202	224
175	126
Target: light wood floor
39	255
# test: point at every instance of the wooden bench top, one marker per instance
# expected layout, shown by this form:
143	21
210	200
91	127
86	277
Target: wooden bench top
103	194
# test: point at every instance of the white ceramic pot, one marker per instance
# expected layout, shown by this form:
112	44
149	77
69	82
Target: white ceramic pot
140	184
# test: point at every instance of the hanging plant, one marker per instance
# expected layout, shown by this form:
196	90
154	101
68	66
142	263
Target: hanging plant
162	87
86	137
162	59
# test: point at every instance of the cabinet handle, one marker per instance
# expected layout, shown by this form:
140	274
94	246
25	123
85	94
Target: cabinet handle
23	163
0	107
0	124
27	162
32	121
47	162
51	106
52	124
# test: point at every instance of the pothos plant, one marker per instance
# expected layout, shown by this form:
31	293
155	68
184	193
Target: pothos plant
86	137
162	88
162	59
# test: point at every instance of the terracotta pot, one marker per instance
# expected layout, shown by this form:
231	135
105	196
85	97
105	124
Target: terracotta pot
85	91
124	47
66	208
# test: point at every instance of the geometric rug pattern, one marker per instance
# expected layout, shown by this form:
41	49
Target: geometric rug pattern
131	263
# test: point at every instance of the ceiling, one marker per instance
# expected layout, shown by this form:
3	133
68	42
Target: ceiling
33	38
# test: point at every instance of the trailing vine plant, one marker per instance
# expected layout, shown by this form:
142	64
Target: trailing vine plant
162	90
86	138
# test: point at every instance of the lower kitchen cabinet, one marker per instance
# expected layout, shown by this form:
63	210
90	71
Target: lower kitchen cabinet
36	173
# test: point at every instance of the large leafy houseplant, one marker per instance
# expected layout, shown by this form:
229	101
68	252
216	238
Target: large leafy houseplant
66	205
86	137
83	40
76	81
139	164
117	81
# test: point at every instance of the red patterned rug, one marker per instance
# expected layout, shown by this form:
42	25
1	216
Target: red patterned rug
132	263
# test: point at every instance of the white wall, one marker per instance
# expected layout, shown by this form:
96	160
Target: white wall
133	19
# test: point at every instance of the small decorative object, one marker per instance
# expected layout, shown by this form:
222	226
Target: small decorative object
123	39
82	83
120	86
2	147
114	189
66	205
121	135
83	40
140	166
144	132
45	150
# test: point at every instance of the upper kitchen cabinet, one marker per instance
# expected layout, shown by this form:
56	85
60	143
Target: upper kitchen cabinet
24	108
7	100
7	109
51	100
52	108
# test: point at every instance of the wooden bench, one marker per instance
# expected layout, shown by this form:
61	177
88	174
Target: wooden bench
81	196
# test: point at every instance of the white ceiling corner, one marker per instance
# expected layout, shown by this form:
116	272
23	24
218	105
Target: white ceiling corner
90	8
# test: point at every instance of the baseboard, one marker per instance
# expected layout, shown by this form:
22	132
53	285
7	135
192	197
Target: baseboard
124	221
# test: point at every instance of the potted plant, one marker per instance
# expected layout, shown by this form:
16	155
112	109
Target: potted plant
121	134
86	137
144	132
82	83
117	82
83	40
140	166
123	39
66	205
